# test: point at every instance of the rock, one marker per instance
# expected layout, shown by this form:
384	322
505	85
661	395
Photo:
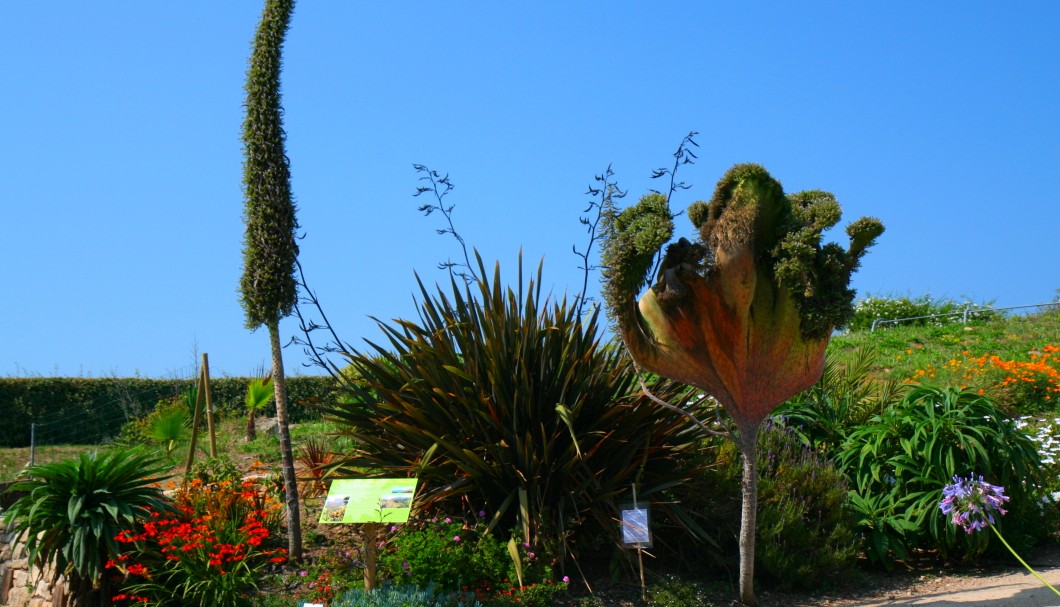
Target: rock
267	425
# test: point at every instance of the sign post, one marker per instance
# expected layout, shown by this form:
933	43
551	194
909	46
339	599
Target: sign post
636	533
373	502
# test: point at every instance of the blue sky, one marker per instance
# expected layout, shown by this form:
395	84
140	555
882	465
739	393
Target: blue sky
122	159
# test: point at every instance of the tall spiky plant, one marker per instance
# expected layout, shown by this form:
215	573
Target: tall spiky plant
744	313
268	288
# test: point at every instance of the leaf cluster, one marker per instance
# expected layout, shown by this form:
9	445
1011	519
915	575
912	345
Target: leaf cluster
74	508
511	400
901	460
749	209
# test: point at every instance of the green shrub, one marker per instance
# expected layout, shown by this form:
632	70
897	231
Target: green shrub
512	403
899	462
805	534
79	410
672	591
404	596
456	554
74	509
845	397
217	470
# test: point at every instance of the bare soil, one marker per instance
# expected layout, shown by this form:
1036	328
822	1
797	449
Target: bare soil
992	584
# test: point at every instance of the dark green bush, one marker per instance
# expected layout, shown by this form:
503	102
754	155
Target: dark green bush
78	410
511	402
845	397
899	462
805	534
404	596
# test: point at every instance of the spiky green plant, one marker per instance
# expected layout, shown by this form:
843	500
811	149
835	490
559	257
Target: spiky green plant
745	311
510	400
845	397
74	508
268	288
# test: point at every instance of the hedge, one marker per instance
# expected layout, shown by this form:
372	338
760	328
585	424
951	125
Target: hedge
76	410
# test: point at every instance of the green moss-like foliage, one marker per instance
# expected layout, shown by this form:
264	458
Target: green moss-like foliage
748	209
268	288
634	237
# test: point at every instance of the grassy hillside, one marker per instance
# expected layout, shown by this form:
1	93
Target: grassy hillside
1015	359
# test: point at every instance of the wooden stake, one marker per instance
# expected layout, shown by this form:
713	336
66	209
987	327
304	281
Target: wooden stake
205	383
194	430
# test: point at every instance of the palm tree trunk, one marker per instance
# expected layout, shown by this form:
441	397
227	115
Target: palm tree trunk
748	442
252	429
290	484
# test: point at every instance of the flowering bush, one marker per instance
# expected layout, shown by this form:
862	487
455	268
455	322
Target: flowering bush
209	551
1045	433
532	595
1032	384
905	456
871	308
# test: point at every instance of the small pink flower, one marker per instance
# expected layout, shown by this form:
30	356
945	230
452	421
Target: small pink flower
530	554
448	520
566	579
456	538
526	544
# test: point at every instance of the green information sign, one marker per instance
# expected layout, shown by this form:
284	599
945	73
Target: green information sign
369	500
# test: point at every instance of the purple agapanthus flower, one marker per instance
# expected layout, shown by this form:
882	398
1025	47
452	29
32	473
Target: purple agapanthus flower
972	503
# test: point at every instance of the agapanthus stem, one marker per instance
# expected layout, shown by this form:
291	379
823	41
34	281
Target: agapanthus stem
1024	563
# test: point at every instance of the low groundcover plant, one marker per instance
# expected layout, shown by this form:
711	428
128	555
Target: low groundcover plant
973	504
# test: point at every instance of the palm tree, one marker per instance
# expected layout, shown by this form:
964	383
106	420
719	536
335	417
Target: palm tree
259	393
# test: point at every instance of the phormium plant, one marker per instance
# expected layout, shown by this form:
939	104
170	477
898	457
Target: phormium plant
512	400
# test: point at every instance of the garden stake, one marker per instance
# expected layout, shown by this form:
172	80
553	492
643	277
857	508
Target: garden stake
204	382
194	435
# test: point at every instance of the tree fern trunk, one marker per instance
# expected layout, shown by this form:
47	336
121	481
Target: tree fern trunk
748	442
290	484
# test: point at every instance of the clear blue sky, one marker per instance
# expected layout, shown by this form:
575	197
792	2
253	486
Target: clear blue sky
121	163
